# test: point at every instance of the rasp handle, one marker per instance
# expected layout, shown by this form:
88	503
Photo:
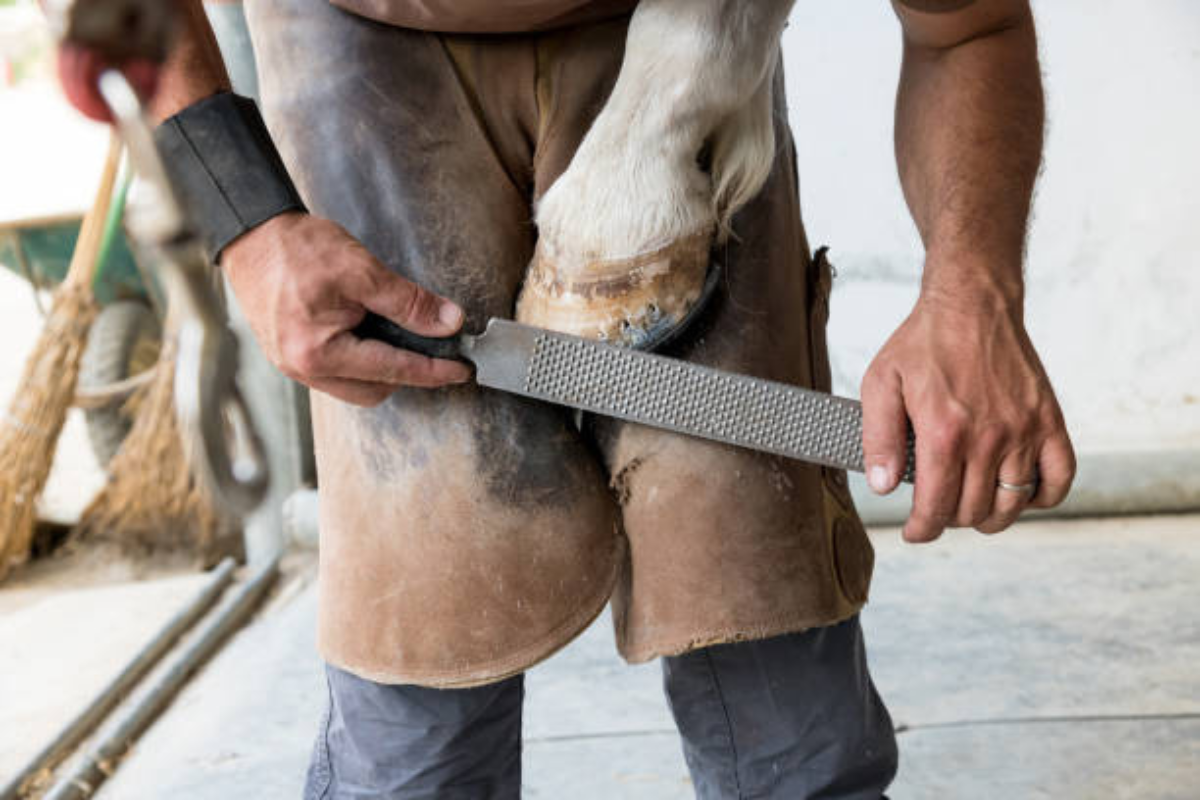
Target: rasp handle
384	330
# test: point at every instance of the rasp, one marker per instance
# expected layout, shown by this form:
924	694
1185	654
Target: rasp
651	390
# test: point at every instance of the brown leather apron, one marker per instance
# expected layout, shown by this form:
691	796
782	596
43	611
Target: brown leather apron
465	534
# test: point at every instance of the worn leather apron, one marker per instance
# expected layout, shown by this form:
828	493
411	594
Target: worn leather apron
466	534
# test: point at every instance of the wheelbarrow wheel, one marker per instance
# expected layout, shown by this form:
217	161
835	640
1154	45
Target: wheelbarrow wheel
124	341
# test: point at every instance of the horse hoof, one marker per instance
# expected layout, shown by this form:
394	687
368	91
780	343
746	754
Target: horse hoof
633	302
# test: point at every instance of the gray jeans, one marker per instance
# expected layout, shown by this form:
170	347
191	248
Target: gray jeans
793	717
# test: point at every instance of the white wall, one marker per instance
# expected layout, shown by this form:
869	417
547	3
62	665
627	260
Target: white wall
1114	278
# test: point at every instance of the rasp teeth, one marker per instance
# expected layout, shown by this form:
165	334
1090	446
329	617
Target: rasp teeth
692	399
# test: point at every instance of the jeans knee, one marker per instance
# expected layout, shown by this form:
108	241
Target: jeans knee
402	741
795	716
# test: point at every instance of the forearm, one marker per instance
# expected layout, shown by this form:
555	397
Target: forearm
969	127
216	149
194	69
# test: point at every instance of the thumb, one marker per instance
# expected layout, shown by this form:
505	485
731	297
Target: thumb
885	433
414	308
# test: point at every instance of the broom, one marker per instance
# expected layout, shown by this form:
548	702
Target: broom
29	430
152	502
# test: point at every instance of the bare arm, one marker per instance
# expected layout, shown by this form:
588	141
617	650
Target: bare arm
194	69
969	125
969	122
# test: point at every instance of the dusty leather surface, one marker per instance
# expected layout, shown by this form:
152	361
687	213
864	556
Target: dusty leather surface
465	534
725	543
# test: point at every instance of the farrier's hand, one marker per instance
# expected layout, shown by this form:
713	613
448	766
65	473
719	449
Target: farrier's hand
304	283
982	409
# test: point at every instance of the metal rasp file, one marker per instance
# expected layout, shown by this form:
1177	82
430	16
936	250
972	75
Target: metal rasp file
651	390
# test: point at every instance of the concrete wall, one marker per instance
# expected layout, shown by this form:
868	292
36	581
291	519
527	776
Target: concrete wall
1114	278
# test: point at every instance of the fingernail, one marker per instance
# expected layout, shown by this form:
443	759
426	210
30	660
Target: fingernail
450	315
879	479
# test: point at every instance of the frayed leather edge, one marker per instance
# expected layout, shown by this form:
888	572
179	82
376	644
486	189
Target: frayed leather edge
776	627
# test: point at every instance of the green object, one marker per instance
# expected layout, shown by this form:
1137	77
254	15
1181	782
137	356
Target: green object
40	252
112	230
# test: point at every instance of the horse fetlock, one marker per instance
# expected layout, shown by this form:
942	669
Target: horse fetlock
623	246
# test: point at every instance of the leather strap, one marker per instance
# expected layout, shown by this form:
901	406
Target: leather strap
225	168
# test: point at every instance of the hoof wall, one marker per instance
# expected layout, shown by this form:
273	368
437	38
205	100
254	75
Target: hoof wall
640	302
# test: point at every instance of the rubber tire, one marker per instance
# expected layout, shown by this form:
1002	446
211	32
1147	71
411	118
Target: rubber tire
124	339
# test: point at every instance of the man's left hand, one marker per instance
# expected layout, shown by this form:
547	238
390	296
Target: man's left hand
983	411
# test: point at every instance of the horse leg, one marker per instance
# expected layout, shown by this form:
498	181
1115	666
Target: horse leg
625	231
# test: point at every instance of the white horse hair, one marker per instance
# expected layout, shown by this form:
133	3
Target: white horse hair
695	72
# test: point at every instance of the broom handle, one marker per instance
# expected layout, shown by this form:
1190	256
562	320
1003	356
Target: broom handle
87	246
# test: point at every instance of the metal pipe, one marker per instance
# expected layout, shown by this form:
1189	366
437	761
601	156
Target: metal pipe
94	712
94	766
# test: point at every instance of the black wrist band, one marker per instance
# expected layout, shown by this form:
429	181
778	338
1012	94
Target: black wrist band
225	168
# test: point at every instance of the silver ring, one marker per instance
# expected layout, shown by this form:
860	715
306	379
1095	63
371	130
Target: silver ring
1020	488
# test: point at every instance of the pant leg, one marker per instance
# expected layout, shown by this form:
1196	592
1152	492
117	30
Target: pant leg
405	742
793	716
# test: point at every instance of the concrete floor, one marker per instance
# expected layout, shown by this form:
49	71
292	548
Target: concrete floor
1059	660
61	641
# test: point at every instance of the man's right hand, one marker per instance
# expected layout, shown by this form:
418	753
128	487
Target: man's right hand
304	283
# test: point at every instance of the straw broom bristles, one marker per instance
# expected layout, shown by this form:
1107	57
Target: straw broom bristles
152	501
29	430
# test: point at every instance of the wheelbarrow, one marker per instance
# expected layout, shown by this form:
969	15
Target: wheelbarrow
124	340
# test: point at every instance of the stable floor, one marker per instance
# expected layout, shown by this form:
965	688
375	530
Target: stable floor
1060	660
